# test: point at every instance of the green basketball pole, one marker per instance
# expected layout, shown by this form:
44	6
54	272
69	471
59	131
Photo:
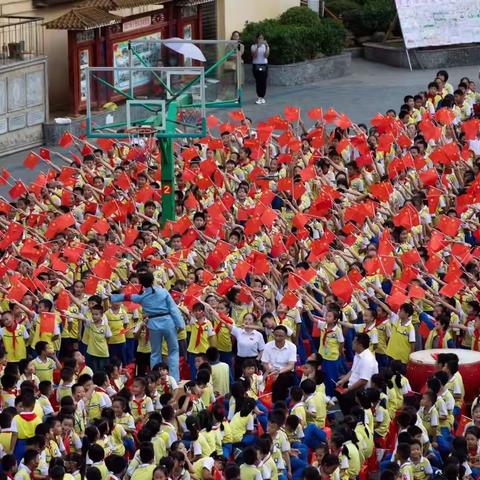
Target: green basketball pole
168	166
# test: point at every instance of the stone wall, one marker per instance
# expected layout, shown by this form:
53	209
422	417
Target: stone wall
423	58
23	104
306	72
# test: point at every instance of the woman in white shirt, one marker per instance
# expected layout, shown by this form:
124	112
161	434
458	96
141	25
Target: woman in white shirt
260	52
250	343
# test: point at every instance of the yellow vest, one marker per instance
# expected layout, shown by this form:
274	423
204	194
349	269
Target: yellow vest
143	472
26	427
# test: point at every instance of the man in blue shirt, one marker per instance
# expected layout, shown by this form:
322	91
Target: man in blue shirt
164	319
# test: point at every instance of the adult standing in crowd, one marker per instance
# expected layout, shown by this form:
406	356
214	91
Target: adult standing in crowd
279	358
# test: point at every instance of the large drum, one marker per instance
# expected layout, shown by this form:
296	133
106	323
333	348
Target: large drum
422	366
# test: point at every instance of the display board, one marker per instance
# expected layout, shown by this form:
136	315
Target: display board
427	23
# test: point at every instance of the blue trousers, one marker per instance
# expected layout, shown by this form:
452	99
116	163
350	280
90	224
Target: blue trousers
97	364
382	360
227	450
118	351
131	349
331	370
19	451
169	333
314	436
191	365
263	418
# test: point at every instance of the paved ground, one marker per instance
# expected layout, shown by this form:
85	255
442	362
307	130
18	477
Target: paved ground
371	88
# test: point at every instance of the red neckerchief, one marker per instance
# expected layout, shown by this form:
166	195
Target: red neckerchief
164	385
139	404
476	340
368	328
327	331
12	329
28	416
441	336
66	444
217	474
198	338
99	389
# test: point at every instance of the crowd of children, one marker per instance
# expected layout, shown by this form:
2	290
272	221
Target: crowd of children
290	242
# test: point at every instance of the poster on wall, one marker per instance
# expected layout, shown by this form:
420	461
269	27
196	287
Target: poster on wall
147	49
444	24
84	62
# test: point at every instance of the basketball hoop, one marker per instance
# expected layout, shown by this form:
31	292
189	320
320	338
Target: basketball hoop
142	135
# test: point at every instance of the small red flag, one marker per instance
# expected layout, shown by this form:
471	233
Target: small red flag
17	292
241	270
66	139
292	114
91	285
101	226
47	322
289	299
31	161
18	190
102	269
449	225
411	257
342	288
315	114
452	288
225	286
63	300
45	154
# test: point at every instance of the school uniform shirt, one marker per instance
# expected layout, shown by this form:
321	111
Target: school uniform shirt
126	421
407	471
23	473
349	461
249	344
429	419
449	401
268	468
402	336
208	463
159	447
370	330
256	386
73	325
98	401
117	321
221	377
382	420
224	339
141	408
169	385
80	417
8	397
249	472
44	369
383	332
6	438
299	411
44	402
331	337
97	336
168	433
438	339
14	342
455	386
104	470
46	336
240	425
117	436
143	345
422	470
199	335
24	424
316	408
280	446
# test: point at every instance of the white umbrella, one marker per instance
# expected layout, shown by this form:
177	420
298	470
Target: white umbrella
188	50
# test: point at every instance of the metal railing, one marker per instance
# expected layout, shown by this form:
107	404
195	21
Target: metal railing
21	38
